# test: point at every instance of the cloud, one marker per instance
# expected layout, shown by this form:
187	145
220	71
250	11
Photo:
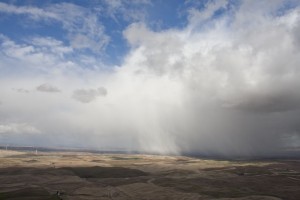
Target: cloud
21	90
40	54
35	13
88	95
225	84
18	128
51	45
83	28
127	10
47	88
210	8
236	78
267	100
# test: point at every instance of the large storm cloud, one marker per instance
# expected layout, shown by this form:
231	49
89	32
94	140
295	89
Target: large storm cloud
225	84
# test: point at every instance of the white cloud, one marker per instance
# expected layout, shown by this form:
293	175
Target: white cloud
35	13
43	55
83	26
127	10
222	86
236	77
18	128
51	45
199	16
85	29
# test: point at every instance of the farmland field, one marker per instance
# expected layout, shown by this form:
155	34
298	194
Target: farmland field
82	175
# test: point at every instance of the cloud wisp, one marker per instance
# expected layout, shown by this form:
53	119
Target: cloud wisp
225	84
82	26
47	88
88	95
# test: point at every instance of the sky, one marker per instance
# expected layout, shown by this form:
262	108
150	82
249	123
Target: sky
207	77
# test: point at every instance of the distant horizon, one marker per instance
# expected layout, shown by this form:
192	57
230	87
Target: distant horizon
289	154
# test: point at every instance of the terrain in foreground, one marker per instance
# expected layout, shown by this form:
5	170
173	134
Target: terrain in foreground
73	175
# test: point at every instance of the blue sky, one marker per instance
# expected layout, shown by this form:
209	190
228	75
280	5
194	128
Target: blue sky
164	76
112	16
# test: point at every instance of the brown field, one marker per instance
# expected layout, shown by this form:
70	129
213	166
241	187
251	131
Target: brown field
25	175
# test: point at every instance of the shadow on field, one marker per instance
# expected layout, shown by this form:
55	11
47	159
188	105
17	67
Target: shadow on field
105	172
30	183
28	193
280	180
